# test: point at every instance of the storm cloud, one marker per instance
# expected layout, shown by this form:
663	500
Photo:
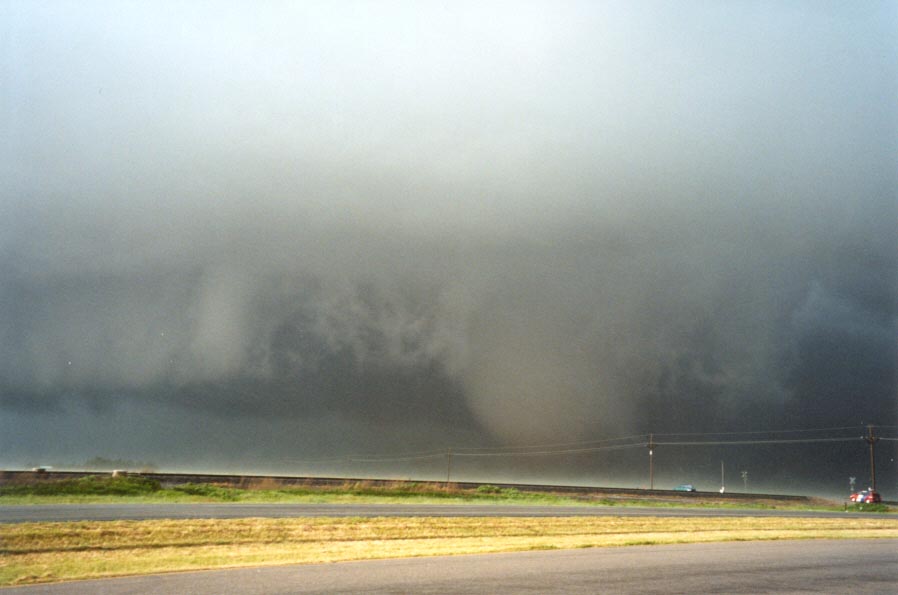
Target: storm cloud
507	223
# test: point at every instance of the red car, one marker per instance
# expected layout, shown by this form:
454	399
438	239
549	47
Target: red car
866	497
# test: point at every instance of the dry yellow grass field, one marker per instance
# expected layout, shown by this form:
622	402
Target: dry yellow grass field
44	552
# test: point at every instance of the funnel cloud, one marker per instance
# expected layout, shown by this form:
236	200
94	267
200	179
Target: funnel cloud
231	235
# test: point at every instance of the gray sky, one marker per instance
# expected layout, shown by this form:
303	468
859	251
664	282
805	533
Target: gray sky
424	225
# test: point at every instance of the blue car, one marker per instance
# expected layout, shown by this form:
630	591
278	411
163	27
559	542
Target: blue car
686	487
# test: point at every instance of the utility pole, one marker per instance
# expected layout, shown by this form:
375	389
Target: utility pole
871	440
722	482
448	465
651	446
745	481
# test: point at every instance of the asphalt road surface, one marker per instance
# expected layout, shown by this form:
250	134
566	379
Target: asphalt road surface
111	512
782	567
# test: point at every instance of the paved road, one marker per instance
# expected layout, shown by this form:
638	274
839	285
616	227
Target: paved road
108	512
782	567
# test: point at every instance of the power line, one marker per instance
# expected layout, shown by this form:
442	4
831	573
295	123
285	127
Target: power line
600	445
390	460
349	457
762	432
746	442
550	452
433	455
421	454
558	445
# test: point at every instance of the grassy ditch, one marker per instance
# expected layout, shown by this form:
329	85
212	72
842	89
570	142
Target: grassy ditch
106	489
92	485
46	552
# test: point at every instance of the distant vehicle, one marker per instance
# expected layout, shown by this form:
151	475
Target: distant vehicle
686	487
866	497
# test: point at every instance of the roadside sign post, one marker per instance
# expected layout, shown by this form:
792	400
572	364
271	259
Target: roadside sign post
651	446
